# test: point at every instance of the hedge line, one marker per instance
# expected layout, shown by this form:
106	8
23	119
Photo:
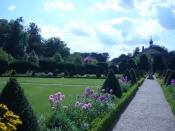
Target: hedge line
104	121
167	95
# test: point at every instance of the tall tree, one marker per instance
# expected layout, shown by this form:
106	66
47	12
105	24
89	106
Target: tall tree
34	38
53	45
136	51
16	38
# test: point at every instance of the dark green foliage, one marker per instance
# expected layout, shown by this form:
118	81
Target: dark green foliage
124	60
129	76
91	68
35	67
59	120
158	66
143	59
132	64
80	68
3	66
142	66
171	66
167	75
61	66
137	74
98	74
72	68
128	66
71	74
133	74
141	73
158	59
170	77
164	73
82	73
172	60
122	67
66	73
13	96
103	66
21	66
47	65
114	68
105	73
112	82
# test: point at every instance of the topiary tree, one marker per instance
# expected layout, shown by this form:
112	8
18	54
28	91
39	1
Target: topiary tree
98	74
129	76
167	75
112	82
114	68
133	74
137	74
13	96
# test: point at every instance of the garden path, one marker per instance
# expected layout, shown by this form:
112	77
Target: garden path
148	111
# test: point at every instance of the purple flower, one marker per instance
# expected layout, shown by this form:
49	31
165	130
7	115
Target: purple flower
92	91
65	107
84	107
172	82
95	96
103	90
103	98
77	104
51	100
111	90
89	105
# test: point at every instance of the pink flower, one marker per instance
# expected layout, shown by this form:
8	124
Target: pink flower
103	90
65	107
51	100
111	90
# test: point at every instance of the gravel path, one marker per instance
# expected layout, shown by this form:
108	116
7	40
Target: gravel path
148	111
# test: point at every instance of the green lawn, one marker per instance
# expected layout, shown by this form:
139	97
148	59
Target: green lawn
38	90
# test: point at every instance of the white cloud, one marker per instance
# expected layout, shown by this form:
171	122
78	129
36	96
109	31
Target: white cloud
51	31
117	5
58	4
78	28
11	7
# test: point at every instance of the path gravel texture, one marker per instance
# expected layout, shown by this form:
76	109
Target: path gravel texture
148	111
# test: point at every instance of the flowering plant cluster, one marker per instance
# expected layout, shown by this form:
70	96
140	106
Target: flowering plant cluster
84	108
172	82
8	120
50	74
124	84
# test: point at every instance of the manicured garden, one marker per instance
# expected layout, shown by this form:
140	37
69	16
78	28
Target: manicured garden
86	92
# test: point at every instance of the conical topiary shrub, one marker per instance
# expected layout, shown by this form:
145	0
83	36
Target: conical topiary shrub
170	77
13	96
167	75
129	77
98	74
112	82
133	74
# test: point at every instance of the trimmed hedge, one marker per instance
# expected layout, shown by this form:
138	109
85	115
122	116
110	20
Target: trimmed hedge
62	67
104	122
3	66
91	68
122	67
20	66
114	68
48	65
103	66
167	95
170	77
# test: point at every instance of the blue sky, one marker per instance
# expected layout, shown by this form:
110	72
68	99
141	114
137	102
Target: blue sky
113	26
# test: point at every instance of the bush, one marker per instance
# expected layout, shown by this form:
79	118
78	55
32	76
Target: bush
35	67
66	73
91	68
170	77
98	74
112	82
13	96
80	68
141	73
167	75
129	76
48	65
143	59
3	66
72	68
103	66
114	68
172	60
21	66
83	73
122	67
61	67
133	74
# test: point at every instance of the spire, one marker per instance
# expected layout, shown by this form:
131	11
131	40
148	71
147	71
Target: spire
151	41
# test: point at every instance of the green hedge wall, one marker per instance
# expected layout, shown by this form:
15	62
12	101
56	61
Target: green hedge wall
3	66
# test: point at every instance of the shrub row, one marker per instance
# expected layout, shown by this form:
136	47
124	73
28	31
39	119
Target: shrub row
105	120
168	95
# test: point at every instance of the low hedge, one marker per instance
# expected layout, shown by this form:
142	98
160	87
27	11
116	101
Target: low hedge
105	121
167	95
